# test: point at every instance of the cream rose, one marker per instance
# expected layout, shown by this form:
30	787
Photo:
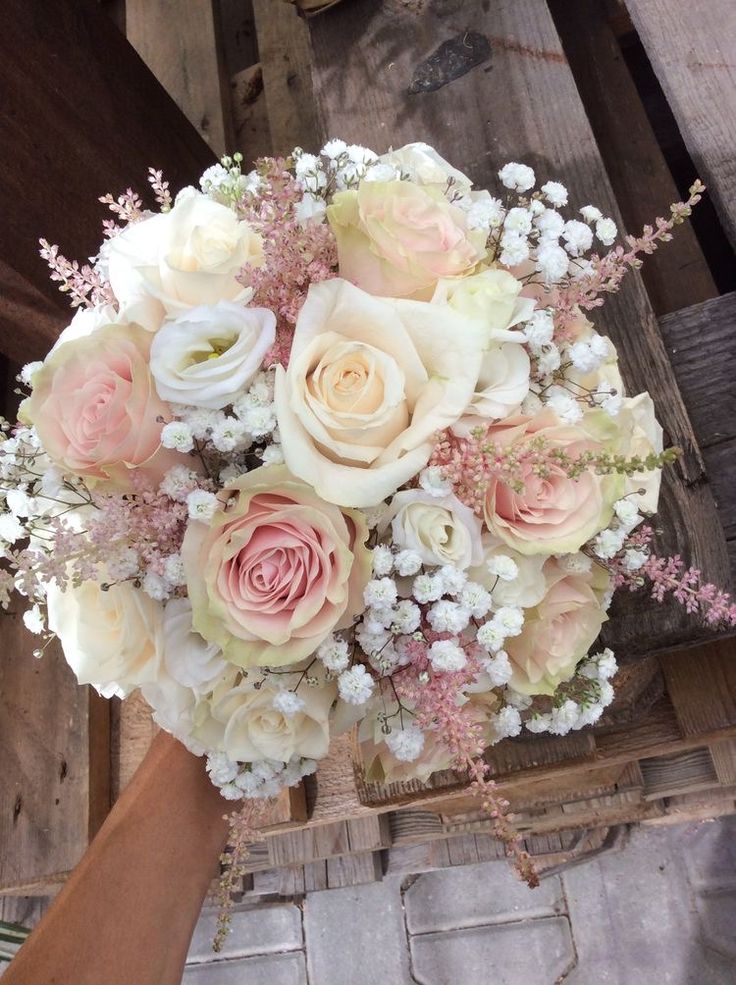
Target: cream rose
96	410
525	590
276	571
493	296
637	413
559	631
440	530
552	514
190	256
422	164
503	382
243	723
190	669
397	239
370	381
112	640
208	355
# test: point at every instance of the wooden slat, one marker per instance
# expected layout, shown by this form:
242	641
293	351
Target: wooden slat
49	776
701	684
83	116
180	44
250	117
701	342
283	46
364	96
354	870
678	275
692	47
684	772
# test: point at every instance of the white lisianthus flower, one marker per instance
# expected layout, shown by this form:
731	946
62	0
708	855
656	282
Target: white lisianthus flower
424	166
188	658
172	261
207	355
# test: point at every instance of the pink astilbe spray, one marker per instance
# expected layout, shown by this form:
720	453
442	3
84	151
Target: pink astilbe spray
607	272
434	700
245	828
670	577
82	283
296	254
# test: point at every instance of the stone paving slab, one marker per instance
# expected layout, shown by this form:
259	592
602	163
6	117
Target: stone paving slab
356	936
529	952
634	914
256	930
271	969
470	895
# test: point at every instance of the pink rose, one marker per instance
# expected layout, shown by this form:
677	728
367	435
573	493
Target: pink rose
397	239
276	571
551	513
96	410
559	631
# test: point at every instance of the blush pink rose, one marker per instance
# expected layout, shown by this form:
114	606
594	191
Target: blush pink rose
559	631
96	410
276	571
552	513
397	239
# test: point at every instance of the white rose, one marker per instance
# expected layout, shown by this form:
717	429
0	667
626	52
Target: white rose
88	320
112	640
188	658
370	382
503	383
525	590
172	261
206	356
175	708
424	165
637	414
243	723
441	531
492	296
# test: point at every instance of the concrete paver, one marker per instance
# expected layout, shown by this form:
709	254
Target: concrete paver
256	930
526	952
356	936
270	969
470	895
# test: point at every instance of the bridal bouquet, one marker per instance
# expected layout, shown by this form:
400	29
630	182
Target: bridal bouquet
334	443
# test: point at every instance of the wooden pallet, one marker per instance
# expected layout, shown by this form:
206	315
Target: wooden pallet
557	89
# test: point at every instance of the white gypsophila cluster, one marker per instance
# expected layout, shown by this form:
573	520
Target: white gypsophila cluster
225	183
338	166
334	654
446	656
355	685
265	778
535	231
406	743
256	408
499	669
506	722
288	703
506	622
178	482
610	542
202	505
433	481
570	715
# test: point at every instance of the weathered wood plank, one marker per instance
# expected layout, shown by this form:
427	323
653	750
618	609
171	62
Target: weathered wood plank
46	787
366	97
701	684
180	44
692	47
83	116
701	343
679	275
283	46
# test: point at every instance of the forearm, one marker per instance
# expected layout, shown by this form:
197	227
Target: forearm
127	913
